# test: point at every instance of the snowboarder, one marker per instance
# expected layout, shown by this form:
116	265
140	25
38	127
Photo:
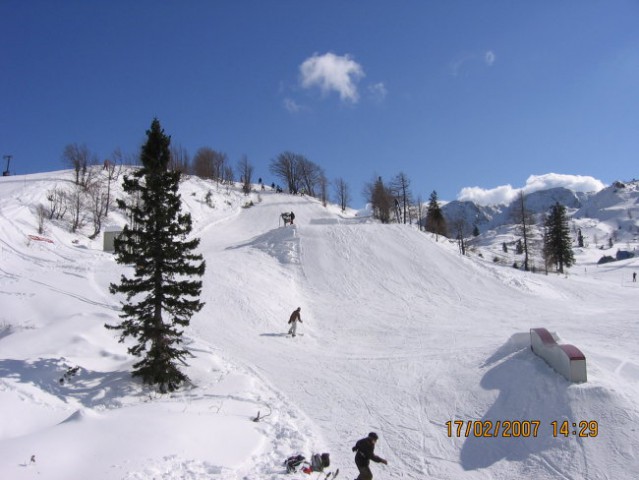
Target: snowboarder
295	317
365	449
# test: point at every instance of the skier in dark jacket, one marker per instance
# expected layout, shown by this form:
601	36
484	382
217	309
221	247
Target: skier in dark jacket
295	317
365	449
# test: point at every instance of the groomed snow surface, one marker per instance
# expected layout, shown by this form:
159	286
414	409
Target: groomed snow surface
400	335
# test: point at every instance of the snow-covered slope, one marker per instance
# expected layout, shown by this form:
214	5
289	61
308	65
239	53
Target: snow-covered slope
400	335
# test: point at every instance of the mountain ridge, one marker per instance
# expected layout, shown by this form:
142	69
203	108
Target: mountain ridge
608	206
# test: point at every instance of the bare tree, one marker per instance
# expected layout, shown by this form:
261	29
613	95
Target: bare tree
420	212
461	229
524	219
310	176
228	176
323	186
180	161
400	186
209	163
246	173
57	203
97	201
342	193
113	169
79	158
76	198
220	162
297	172
41	215
286	168
203	163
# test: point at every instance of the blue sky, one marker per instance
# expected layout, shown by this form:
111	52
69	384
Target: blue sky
469	98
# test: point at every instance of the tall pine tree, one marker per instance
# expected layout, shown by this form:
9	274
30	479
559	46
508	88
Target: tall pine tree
557	241
435	221
162	294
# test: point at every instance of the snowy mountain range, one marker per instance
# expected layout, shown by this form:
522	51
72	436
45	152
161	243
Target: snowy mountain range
614	208
401	335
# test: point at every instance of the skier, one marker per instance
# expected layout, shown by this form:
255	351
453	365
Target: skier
295	317
365	449
292	217
634	276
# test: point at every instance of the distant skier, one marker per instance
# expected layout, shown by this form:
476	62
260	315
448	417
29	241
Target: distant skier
292	217
365	449
634	276
295	317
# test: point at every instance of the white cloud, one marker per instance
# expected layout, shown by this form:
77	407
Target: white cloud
291	105
493	196
471	59
506	193
332	72
378	91
576	183
489	58
456	65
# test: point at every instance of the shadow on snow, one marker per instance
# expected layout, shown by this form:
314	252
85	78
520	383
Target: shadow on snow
89	388
529	391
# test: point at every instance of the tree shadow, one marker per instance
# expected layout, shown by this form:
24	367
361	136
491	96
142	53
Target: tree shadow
89	388
529	391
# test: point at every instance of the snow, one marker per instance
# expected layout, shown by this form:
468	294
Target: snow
400	335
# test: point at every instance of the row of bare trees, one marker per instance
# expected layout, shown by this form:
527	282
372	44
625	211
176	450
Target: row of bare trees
298	173
213	165
301	175
89	195
394	201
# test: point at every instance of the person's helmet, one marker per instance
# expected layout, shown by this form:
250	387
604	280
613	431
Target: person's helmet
373	435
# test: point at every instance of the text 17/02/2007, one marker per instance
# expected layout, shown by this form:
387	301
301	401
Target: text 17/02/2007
519	428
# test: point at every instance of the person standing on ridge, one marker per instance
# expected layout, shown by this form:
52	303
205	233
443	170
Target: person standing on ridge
295	317
365	449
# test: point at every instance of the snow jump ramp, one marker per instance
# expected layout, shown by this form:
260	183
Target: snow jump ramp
565	359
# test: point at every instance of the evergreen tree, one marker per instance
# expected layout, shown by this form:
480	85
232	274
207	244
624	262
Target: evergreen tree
557	241
162	295
435	221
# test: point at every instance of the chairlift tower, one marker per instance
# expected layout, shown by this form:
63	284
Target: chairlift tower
8	159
